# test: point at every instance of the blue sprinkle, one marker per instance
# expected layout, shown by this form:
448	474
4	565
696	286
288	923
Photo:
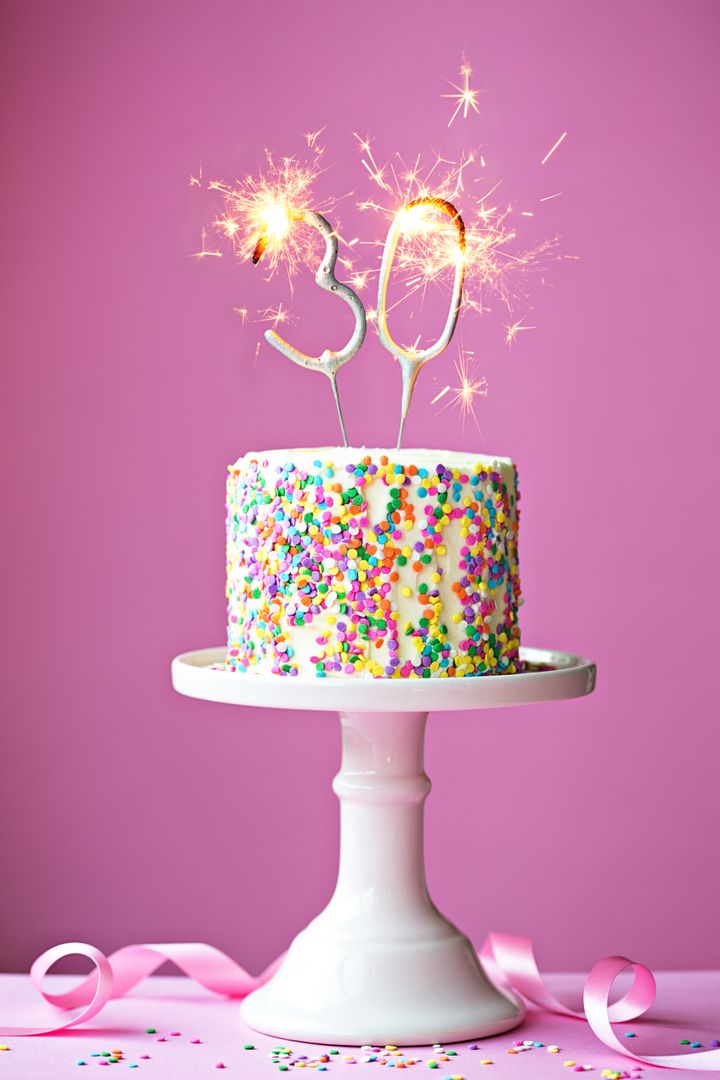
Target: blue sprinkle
538	1044
695	1045
85	1062
630	1035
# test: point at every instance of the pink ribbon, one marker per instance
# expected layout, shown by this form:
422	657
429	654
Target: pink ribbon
508	960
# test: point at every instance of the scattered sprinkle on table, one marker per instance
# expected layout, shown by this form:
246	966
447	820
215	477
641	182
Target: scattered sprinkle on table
151	1031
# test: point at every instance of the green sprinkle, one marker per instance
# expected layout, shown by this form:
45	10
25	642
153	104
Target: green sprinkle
150	1031
248	1046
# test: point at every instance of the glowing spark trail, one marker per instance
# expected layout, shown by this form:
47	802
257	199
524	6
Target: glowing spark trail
511	332
554	147
275	315
261	213
470	387
205	252
465	97
494	263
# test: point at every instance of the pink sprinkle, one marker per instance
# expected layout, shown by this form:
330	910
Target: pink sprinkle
144	1057
161	1039
103	1062
195	1041
176	1032
219	1065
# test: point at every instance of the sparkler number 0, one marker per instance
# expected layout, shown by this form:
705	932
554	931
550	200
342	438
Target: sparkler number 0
410	360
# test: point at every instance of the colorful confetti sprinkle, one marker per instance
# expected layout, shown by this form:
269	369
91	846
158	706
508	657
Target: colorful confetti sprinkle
379	567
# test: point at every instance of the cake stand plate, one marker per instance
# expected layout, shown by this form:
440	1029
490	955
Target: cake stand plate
380	964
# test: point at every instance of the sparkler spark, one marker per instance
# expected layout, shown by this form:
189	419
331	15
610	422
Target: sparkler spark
205	252
311	138
512	331
554	147
427	252
466	97
275	316
260	212
469	388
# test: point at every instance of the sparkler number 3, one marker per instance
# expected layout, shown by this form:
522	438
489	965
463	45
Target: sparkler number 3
329	361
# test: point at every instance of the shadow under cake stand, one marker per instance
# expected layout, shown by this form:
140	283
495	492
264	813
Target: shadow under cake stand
380	964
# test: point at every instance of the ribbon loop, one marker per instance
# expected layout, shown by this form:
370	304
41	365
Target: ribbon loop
508	960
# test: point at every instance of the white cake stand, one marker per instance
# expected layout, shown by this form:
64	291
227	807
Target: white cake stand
380	964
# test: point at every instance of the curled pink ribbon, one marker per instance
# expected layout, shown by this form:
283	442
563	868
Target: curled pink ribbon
509	961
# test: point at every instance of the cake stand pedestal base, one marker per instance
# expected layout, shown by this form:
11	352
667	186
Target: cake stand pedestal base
381	965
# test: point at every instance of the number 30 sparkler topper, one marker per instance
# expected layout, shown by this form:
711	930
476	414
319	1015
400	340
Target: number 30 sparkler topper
411	360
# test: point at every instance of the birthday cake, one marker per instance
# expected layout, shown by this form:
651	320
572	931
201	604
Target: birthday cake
356	563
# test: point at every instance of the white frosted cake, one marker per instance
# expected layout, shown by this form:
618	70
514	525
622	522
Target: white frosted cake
350	563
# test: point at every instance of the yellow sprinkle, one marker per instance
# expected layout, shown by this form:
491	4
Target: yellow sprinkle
391	1047
441	550
406	590
568	1064
486	1061
4	1047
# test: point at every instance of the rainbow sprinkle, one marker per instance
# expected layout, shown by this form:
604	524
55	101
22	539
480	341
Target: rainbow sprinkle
377	567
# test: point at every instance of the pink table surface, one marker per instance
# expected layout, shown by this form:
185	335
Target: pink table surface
687	1006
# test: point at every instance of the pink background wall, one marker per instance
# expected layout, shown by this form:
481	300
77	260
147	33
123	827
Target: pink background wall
131	814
